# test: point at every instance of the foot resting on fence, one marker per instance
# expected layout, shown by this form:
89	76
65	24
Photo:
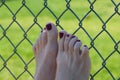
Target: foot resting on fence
45	50
73	63
60	61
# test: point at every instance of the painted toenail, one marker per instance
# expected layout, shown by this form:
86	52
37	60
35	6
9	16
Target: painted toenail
61	34
73	36
67	35
49	26
85	45
78	41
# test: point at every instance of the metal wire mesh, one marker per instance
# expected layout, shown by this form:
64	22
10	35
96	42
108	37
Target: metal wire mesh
15	50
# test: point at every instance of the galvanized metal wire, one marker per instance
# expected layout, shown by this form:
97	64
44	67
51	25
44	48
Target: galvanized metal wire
58	19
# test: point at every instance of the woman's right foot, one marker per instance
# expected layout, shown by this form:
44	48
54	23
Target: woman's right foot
72	62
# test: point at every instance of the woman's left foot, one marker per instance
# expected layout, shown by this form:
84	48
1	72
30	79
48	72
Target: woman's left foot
45	51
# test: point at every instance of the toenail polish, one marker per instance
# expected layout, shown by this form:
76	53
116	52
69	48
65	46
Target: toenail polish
85	45
73	36
67	35
61	34
49	26
78	40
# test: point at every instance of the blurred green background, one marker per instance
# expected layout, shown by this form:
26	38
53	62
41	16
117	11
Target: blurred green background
16	19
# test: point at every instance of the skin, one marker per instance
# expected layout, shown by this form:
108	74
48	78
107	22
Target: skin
72	62
63	60
45	51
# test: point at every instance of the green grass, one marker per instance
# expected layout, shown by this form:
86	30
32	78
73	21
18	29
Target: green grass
92	24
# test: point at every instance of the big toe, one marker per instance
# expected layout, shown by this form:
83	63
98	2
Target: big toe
52	33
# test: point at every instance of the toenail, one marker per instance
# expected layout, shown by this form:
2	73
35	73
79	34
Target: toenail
67	35
49	26
78	41
85	45
73	36
61	34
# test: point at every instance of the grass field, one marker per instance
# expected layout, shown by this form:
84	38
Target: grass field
68	21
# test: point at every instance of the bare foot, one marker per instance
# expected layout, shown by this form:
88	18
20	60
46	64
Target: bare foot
45	50
72	62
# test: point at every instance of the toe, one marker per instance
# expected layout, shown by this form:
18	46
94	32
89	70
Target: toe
51	44
77	46
44	39
71	44
85	52
37	44
34	48
62	35
85	58
52	33
66	42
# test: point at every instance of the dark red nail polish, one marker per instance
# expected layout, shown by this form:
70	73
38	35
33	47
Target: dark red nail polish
78	41
85	45
67	35
49	26
61	34
73	36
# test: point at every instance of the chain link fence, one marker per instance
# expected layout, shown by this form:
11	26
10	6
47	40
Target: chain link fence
22	20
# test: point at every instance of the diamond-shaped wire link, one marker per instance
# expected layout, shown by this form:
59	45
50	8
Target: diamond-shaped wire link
27	31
